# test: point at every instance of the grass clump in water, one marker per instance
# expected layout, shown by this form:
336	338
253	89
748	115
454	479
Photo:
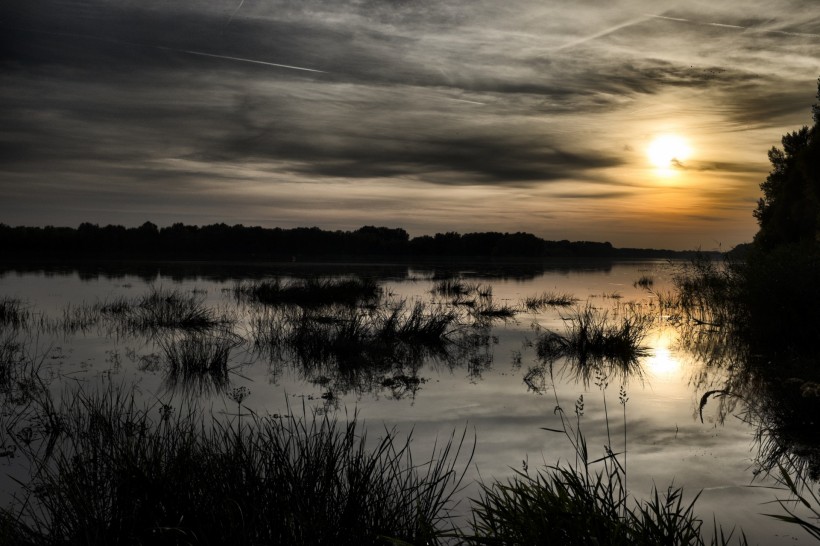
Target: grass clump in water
119	473
488	309
311	292
12	313
198	360
456	288
644	281
171	309
418	325
707	292
548	299
593	341
357	338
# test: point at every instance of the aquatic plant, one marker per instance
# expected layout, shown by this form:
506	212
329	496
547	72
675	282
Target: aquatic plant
594	343
585	503
706	292
10	356
802	506
310	292
118	472
162	308
12	313
421	324
489	310
453	287
354	337
548	299
198	361
159	309
644	281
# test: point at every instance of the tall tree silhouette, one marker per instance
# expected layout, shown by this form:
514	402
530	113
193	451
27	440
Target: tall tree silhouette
789	211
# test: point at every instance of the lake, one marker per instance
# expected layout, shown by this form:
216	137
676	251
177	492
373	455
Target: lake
486	377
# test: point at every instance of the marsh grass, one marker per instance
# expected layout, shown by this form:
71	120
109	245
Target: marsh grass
594	343
346	336
356	349
163	308
122	473
455	288
158	310
198	362
548	299
10	358
311	292
12	313
486	310
421	324
802	506
644	281
707	292
586	502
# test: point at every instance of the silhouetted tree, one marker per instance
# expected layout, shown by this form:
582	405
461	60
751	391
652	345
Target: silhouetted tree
789	211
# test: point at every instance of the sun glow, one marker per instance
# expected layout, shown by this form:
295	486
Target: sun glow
663	363
667	151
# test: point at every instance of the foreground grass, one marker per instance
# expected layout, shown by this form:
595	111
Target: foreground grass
586	502
107	470
117	473
560	505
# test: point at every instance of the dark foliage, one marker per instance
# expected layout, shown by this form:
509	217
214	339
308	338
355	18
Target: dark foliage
789	209
238	242
119	473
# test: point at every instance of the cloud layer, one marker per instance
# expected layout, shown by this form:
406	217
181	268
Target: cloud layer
533	115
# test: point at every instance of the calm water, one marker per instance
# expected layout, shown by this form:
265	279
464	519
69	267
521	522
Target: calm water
492	383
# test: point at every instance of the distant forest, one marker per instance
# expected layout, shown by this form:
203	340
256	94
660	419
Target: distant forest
238	242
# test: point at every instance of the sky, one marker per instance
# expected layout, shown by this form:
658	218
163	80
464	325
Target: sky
645	123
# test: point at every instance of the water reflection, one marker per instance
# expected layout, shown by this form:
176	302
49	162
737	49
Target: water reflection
778	396
373	354
152	272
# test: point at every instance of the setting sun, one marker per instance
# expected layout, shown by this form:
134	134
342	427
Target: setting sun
667	151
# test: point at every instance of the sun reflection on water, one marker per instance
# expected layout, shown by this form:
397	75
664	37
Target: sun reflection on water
663	363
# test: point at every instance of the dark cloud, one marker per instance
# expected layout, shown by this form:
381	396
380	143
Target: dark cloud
592	194
720	166
133	101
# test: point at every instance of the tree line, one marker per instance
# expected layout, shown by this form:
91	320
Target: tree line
238	242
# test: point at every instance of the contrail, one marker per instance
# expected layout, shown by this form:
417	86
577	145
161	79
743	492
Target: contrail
239	59
725	26
175	49
467	101
722	25
597	35
239	7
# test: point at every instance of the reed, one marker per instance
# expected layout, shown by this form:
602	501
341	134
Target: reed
644	281
12	313
548	299
802	506
311	292
198	362
490	310
354	337
457	288
162	308
119	472
585	503
595	344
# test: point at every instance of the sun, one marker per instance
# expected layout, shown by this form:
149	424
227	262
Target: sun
667	151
